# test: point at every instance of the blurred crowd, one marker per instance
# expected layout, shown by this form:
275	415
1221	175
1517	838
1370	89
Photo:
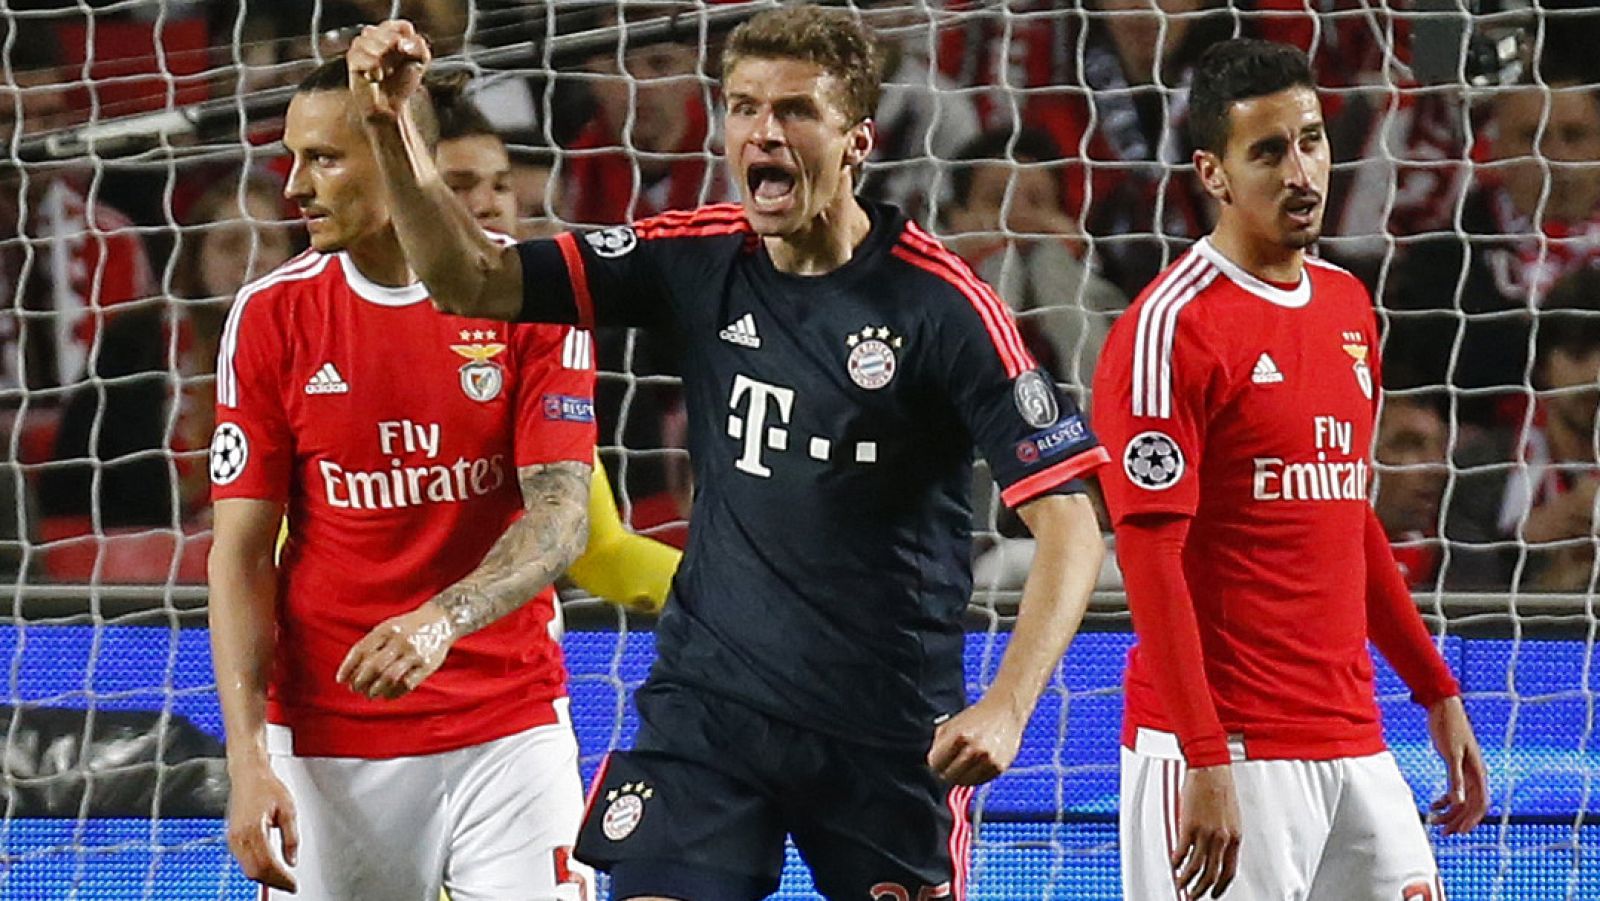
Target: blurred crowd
1044	141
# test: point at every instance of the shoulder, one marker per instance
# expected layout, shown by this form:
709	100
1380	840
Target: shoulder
952	294
1331	275
1168	305
273	293
945	278
718	220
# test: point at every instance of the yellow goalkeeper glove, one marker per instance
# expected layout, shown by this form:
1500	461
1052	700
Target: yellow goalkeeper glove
619	566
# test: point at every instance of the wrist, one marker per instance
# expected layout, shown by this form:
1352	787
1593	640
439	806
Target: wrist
247	761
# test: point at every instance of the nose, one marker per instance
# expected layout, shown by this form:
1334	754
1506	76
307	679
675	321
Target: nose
298	188
481	201
767	132
1299	168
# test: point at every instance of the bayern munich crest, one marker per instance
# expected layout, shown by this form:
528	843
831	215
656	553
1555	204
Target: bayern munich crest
624	810
481	379
1153	461
872	361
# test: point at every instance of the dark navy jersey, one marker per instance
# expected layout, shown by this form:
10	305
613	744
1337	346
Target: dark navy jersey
832	421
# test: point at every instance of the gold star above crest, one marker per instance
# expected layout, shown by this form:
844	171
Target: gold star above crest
611	795
896	342
466	335
883	331
853	340
867	332
647	793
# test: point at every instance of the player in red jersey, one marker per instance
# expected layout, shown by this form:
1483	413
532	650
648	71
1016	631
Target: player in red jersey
1239	392
393	700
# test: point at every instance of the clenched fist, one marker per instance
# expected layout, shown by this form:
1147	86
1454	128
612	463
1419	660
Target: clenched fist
386	64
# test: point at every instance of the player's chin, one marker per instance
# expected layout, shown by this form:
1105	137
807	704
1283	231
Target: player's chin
771	223
1302	238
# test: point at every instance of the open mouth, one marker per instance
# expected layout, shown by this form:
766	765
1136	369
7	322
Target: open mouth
771	188
1302	210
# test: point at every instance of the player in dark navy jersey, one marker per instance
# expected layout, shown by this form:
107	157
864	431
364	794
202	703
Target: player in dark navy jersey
840	366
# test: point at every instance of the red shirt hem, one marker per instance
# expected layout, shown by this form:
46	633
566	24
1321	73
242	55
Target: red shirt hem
1297	741
321	734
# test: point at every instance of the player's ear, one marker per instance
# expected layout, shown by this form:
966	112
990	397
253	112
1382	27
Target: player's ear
1209	167
859	141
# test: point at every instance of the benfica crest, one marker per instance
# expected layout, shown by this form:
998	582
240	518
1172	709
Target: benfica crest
1355	344
481	379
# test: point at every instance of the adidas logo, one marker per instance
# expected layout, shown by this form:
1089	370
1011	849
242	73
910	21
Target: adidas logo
327	381
742	331
1266	371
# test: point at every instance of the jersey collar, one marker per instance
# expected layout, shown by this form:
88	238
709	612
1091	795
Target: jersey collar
1295	297
383	295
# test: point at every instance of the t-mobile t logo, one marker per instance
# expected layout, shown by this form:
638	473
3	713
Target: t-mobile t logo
751	425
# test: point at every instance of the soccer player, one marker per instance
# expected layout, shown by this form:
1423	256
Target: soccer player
839	367
616	565
1238	393
394	703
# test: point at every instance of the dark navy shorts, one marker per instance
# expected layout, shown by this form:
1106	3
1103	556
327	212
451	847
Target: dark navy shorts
700	807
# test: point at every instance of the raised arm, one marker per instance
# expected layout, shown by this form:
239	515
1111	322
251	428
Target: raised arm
979	743
466	273
402	651
243	584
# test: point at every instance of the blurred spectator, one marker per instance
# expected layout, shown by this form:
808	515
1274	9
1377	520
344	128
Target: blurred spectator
1007	221
648	147
1410	451
64	256
1125	116
131	445
1461	309
923	118
1540	491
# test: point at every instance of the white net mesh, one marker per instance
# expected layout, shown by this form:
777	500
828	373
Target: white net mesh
1044	140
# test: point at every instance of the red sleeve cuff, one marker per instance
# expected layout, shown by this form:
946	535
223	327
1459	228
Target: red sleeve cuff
1208	750
1023	490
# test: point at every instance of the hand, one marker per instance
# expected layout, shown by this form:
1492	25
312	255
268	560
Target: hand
976	744
1466	799
258	801
386	64
1207	854
398	653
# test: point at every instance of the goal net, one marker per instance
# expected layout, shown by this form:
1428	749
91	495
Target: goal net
1043	141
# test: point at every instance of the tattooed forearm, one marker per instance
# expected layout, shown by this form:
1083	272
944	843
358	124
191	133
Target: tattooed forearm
531	554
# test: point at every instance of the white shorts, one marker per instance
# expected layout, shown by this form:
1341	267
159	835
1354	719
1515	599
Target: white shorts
1314	830
490	822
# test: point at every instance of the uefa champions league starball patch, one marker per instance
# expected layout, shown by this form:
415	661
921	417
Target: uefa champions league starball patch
872	362
613	242
481	379
624	810
1153	461
230	449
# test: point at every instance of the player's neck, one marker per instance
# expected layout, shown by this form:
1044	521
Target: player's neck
381	260
826	243
1268	262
